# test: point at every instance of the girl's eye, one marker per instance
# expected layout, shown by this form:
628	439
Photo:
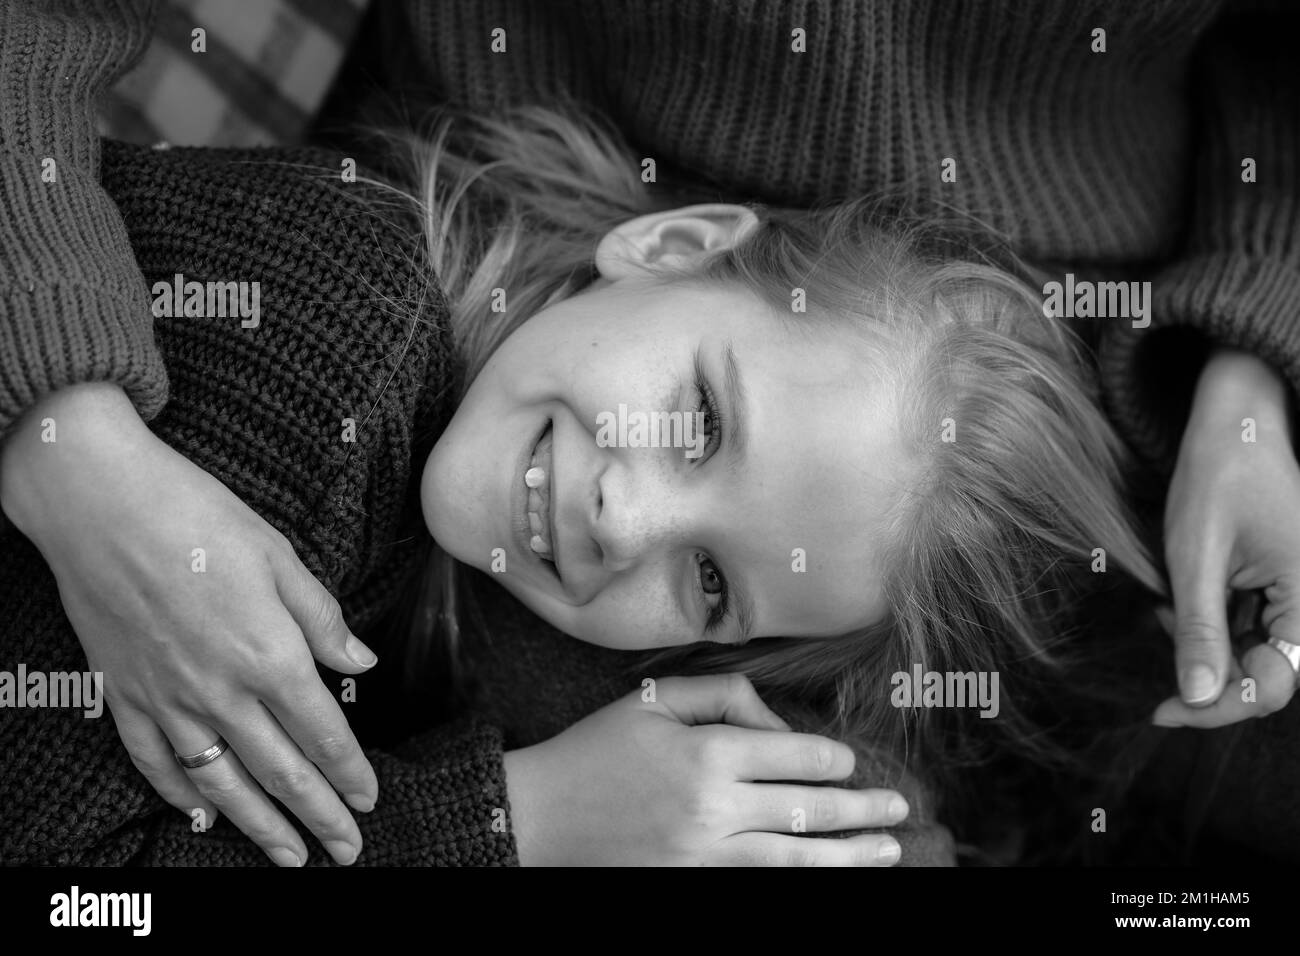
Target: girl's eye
712	582
710	577
712	424
706	407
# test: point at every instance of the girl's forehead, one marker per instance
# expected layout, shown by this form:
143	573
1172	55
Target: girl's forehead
774	344
814	357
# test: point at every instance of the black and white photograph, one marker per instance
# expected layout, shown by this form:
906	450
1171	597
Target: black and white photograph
650	433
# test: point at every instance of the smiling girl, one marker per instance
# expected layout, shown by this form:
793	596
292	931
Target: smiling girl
904	463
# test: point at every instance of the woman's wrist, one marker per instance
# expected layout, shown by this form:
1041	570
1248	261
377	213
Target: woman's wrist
1236	385
67	429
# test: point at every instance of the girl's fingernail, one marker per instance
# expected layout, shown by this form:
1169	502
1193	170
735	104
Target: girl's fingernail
897	808
889	851
360	653
283	856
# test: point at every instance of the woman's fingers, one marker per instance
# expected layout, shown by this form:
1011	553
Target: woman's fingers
771	849
1228	709
227	784
1275	672
152	755
304	707
1272	684
285	773
1275	678
781	808
310	715
319	616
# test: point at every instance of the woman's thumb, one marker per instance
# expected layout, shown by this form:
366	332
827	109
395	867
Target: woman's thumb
1202	645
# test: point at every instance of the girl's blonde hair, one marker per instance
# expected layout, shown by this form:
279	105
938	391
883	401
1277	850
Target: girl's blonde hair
997	539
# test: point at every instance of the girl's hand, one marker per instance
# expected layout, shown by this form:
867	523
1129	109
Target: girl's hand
679	781
192	647
1233	522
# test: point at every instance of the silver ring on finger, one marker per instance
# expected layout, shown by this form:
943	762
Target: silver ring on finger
204	758
1290	651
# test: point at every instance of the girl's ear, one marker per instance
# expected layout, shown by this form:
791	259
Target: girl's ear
673	237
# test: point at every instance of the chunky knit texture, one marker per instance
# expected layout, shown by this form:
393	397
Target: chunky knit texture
1130	157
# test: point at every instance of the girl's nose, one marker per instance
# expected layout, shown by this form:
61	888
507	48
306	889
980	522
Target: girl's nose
644	509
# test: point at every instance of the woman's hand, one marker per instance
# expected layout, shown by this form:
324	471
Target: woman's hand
193	645
1232	522
678	781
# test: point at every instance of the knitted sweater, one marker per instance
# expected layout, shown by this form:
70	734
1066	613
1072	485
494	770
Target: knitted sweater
262	409
1091	162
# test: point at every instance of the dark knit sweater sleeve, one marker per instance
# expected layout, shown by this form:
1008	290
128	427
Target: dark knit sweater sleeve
73	305
1237	282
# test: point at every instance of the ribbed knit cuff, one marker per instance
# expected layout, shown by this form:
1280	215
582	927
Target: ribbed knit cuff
1251	303
74	305
456	784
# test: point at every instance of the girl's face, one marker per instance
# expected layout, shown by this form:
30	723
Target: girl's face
769	519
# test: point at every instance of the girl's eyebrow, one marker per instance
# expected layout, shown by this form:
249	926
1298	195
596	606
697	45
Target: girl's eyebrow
733	396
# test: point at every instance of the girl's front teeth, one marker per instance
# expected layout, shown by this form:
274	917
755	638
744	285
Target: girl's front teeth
537	480
537	513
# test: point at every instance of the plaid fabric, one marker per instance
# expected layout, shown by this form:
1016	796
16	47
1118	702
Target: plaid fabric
265	72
